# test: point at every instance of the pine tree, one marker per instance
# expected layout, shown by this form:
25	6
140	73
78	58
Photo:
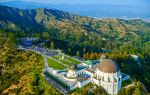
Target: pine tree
137	91
52	45
87	55
92	56
84	56
84	50
78	53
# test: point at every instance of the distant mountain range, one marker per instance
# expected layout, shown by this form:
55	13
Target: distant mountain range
42	19
96	10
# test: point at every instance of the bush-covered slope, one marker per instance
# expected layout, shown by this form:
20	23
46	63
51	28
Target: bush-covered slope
71	29
21	71
39	20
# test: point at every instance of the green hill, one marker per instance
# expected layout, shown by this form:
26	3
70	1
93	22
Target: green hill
83	36
39	20
71	29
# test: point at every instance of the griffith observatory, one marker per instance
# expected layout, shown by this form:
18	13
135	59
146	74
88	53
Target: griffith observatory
105	73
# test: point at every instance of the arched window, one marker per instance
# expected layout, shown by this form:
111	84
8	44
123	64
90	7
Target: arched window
115	80
108	79
102	78
96	76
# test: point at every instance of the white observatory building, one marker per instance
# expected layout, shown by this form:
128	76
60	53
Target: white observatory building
108	76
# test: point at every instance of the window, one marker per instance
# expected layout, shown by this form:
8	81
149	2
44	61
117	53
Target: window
115	80
103	78
108	79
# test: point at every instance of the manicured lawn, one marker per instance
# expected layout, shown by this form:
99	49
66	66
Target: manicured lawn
73	60
65	62
67	58
56	57
55	64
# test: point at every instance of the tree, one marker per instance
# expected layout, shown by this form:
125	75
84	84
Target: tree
52	45
78	53
84	50
137	91
69	50
99	91
1	38
84	55
10	42
92	56
87	55
45	35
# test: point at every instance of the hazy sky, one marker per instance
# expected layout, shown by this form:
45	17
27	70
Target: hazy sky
120	2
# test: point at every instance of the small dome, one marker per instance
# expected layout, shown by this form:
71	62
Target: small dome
72	67
103	56
108	66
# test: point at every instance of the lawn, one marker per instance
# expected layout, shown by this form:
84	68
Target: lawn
56	57
55	64
73	60
65	62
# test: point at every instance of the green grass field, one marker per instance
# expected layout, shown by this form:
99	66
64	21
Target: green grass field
72	60
55	64
56	57
65	62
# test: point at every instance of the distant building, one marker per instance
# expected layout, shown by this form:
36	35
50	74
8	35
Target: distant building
28	42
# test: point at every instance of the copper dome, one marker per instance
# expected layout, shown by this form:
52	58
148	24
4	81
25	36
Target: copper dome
108	66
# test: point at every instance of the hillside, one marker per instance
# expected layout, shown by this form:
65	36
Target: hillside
84	36
45	19
73	28
20	71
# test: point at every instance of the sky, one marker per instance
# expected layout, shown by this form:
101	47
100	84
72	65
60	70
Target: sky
114	2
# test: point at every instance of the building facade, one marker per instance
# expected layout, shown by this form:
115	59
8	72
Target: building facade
106	74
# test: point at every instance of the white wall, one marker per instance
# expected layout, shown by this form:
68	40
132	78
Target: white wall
95	81
74	86
81	84
111	82
91	74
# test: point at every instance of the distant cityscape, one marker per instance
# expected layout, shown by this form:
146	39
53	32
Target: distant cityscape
92	10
